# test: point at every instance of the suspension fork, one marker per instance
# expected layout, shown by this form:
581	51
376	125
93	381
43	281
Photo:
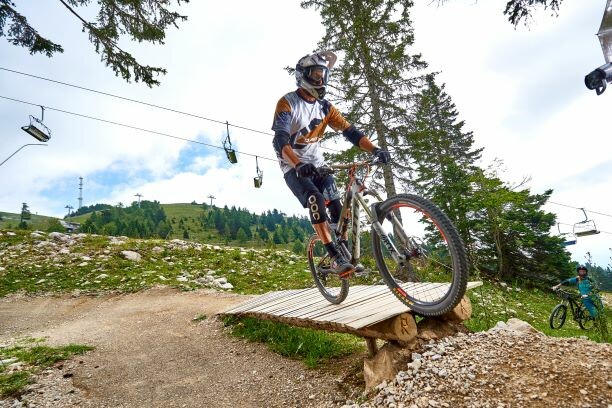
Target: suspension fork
372	213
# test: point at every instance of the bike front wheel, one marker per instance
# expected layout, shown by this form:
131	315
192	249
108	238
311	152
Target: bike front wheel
331	286
557	317
420	254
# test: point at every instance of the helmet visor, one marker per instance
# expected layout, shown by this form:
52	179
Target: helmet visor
316	75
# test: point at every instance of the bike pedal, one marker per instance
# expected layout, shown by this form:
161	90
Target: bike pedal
347	274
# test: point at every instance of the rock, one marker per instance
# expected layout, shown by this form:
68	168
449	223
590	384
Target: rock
226	285
461	312
102	276
519	325
131	255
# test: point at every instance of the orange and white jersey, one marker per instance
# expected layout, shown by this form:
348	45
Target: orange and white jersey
302	124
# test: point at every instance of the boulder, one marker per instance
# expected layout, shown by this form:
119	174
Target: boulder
131	255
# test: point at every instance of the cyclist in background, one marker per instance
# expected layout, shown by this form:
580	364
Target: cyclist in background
585	285
299	123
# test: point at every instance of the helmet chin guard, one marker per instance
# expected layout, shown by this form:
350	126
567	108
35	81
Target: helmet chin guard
312	72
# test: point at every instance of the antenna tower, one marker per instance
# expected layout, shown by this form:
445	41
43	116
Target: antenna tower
80	192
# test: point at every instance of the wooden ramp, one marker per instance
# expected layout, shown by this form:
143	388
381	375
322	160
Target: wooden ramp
364	313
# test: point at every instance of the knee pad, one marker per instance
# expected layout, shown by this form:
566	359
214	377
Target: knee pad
316	207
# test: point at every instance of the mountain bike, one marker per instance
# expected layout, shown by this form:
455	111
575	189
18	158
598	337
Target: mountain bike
418	251
579	312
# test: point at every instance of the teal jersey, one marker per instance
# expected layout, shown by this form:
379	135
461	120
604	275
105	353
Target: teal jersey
585	286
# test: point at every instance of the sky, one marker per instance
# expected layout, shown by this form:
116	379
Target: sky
519	90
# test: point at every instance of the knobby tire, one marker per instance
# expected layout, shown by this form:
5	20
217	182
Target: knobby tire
454	253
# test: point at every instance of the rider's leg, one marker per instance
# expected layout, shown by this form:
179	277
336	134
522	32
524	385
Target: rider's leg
330	192
311	198
590	306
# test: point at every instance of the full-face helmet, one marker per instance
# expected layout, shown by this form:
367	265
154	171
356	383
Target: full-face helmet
312	72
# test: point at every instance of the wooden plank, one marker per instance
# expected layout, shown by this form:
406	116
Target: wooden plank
261	299
286	300
375	301
365	293
360	314
312	296
314	308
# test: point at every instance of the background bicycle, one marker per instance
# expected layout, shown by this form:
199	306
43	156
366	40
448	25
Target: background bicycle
414	246
577	309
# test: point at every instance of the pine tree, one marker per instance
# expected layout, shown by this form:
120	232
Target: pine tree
141	20
378	76
442	156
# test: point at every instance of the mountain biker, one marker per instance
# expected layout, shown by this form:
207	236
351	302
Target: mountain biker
299	123
590	300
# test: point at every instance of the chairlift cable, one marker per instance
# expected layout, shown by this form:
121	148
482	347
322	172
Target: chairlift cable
581	208
132	127
152	105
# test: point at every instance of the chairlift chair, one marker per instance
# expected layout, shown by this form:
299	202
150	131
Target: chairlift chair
585	227
43	133
258	181
569	238
227	146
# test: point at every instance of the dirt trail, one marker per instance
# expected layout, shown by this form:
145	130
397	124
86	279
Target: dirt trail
150	352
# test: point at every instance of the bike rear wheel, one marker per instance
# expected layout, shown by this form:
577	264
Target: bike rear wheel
585	320
334	289
430	275
557	317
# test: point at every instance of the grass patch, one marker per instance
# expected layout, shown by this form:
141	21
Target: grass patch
35	357
314	347
14	383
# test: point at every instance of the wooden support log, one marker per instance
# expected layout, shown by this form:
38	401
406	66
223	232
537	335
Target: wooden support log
400	328
461	312
372	347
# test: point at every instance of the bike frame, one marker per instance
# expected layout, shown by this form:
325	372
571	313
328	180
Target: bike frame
574	305
354	202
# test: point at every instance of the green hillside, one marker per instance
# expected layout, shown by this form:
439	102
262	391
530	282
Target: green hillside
40	222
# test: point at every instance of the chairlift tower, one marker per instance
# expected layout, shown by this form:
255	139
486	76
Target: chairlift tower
80	193
69	207
138	195
212	197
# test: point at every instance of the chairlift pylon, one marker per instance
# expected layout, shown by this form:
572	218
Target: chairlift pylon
258	181
569	238
585	227
227	146
44	133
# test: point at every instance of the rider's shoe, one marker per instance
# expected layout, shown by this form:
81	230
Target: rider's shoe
341	267
360	270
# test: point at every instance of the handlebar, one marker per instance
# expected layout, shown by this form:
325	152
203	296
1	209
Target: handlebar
331	169
565	294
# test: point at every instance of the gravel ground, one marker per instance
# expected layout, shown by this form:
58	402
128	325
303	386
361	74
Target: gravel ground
502	368
151	353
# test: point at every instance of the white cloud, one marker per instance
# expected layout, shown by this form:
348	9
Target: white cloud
520	91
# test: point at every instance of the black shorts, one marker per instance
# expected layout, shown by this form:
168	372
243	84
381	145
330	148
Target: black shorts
302	187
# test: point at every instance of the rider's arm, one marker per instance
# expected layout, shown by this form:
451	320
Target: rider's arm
281	127
350	132
570	281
